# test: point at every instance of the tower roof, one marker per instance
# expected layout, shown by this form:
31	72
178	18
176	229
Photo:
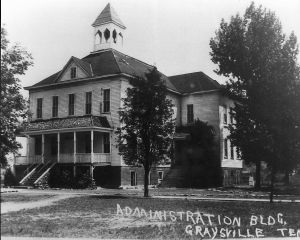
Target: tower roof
108	15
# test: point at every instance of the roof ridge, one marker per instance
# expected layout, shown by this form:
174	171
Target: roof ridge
133	58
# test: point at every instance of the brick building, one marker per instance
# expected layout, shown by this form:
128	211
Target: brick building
75	114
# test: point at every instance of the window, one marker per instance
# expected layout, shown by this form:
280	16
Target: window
190	113
88	103
225	115
106	143
54	106
231	150
106	100
73	72
231	115
71	104
238	153
39	108
225	148
160	176
133	178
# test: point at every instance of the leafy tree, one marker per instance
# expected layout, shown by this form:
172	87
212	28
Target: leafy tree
200	149
14	62
145	135
261	63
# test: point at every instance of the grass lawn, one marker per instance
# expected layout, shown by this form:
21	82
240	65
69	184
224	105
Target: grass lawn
96	216
16	197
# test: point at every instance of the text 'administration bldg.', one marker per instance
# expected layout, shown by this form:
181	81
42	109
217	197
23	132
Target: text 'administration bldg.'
75	115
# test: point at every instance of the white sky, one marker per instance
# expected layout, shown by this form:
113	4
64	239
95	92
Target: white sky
172	34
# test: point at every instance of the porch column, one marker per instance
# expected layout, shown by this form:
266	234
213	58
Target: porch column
58	147
43	148
92	146
74	142
27	148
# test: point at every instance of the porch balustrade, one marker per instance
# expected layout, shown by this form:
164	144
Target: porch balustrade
83	157
66	158
101	158
24	160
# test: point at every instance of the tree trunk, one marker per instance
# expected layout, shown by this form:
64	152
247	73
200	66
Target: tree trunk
257	175
272	184
146	182
287	177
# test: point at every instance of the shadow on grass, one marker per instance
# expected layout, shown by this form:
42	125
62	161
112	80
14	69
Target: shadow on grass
116	196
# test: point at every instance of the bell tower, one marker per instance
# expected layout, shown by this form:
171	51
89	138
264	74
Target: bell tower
108	30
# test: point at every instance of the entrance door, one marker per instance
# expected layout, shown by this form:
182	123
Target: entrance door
133	178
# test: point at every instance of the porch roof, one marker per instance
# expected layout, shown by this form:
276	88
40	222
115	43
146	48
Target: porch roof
69	122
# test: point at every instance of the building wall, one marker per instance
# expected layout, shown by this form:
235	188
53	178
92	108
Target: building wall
231	161
205	107
79	91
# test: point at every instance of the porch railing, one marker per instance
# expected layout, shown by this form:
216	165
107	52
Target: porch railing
83	157
24	160
101	158
66	158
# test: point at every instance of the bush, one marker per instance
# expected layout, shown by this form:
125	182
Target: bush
9	178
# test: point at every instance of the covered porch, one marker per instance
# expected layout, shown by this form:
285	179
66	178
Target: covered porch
80	146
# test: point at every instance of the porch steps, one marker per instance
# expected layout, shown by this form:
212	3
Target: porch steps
39	171
176	177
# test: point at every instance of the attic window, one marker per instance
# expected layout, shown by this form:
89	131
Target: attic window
73	72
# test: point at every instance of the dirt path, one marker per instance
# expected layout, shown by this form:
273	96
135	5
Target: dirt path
17	206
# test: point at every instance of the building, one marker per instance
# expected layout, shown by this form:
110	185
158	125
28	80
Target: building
75	114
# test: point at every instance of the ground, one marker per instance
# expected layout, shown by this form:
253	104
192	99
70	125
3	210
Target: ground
126	214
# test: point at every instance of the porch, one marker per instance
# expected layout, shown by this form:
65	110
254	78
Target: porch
78	147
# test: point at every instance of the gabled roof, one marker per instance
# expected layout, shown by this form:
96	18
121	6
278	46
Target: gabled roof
194	82
85	66
108	15
108	62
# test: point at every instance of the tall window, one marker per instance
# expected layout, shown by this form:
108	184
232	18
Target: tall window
88	103
39	108
231	150
54	106
190	113
225	115
106	100
133	178
231	115
238	153
106	143
73	72
71	104
225	148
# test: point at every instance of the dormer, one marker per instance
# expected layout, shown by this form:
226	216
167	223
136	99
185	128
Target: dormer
108	30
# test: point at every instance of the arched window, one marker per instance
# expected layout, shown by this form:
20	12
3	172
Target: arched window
98	38
115	36
106	34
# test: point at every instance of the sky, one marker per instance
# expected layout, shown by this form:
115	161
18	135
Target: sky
171	34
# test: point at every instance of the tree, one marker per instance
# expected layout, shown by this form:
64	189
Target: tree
14	62
145	135
261	63
200	149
